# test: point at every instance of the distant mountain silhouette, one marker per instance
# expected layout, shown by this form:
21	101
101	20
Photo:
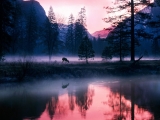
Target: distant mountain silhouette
101	33
39	11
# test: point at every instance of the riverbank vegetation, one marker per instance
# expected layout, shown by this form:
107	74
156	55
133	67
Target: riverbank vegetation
22	71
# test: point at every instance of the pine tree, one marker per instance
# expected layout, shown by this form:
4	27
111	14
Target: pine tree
118	40
70	41
128	9
51	16
82	17
48	39
133	10
78	35
80	30
55	29
154	25
107	53
155	47
51	34
85	50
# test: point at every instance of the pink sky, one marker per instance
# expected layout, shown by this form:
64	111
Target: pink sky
94	10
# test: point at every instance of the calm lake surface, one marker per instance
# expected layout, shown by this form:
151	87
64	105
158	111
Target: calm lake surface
83	99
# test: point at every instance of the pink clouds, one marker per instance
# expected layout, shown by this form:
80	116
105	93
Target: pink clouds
94	10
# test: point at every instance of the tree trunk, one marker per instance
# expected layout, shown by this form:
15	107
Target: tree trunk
50	58
132	31
86	60
120	48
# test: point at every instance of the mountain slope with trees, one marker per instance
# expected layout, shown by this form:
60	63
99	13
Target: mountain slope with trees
27	30
143	35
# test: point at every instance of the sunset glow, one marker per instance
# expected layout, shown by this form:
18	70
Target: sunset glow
103	97
94	10
80	60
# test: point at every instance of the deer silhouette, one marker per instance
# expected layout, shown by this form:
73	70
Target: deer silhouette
65	86
65	60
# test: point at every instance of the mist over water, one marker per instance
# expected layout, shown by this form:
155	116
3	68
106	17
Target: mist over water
39	88
70	58
45	98
89	99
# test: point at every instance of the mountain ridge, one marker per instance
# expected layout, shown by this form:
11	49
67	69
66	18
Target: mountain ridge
102	33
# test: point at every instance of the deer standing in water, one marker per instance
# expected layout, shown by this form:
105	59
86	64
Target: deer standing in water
65	60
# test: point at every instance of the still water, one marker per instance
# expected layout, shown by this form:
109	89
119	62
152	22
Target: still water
83	99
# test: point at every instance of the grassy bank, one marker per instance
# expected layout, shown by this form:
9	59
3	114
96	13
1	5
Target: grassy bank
21	71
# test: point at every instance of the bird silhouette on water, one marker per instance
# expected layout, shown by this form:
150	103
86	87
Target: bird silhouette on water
65	86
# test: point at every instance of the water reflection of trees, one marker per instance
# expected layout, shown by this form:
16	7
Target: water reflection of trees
84	100
71	101
143	96
81	97
56	108
120	109
18	106
52	106
147	96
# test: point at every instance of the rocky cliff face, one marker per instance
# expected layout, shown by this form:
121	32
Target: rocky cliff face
39	11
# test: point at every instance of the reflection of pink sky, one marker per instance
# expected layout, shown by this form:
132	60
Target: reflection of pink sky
99	110
94	10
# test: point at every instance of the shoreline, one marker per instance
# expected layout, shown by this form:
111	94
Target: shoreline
22	71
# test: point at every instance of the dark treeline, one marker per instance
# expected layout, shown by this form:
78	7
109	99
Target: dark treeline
30	105
24	24
130	33
132	91
25	104
26	30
